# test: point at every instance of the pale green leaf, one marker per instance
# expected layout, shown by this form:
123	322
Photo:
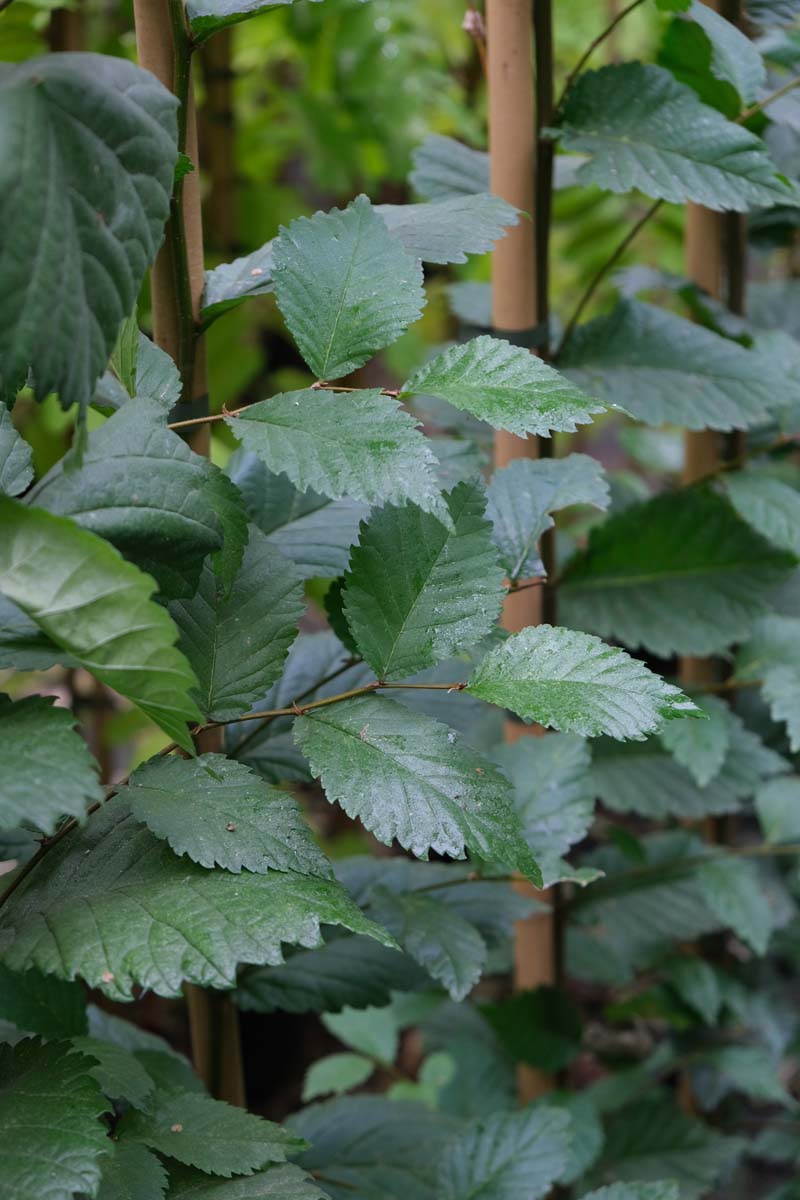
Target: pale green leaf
335	1074
41	1004
404	777
50	1110
663	369
505	385
778	808
157	380
370	1031
129	1172
508	1156
236	643
772	655
124	353
417	592
345	286
734	56
679	573
230	283
46	769
208	1134
572	681
447	230
16	457
86	170
359	444
282	1182
113	904
645	131
83	596
733	890
552	793
522	495
221	814
445	168
701	746
768	504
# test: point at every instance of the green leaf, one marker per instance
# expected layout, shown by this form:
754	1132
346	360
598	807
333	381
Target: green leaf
282	1182
552	793
680	573
209	16
701	746
666	370
508	1156
231	283
574	682
208	1134
371	1031
347	971
772	655
653	1140
686	51
46	769
360	444
227	501
113	904
129	1172
124	354
445	168
697	984
505	385
448	947
404	777
90	602
636	1191
447	230
734	57
120	1075
335	1074
157	380
345	286
38	1003
735	893
471	302
523	494
237	643
417	592
53	1146
778	808
646	131
751	1070
221	814
315	532
16	457
767	504
85	178
539	1026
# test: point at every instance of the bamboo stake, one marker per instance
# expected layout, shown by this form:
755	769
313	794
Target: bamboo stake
515	314
176	288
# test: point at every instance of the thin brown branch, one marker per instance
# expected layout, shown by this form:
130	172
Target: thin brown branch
765	103
590	49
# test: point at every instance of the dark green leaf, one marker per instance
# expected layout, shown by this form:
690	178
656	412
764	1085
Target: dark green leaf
129	1172
735	893
282	1182
508	1156
97	607
120	1075
734	57
221	814
41	1004
85	178
540	1027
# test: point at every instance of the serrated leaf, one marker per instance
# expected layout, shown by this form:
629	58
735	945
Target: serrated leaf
221	814
522	495
778	808
129	1172
141	488
119	1074
113	904
236	642
666	370
39	1003
417	592
680	573
508	1156
282	1182
359	444
552	793
767	504
347	971
157	380
448	947
46	769
86	177
734	57
449	229
83	596
16	457
445	168
646	131
772	655
733	891
208	1134
335	1074
572	681
315	532
505	385
404	777
52	1148
701	746
230	283
209	16
345	286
